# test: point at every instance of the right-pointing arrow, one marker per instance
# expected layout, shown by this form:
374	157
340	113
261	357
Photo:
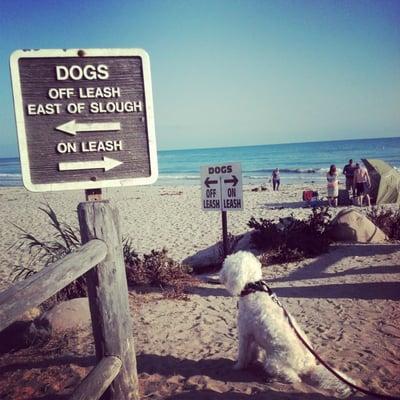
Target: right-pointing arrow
106	163
73	127
234	180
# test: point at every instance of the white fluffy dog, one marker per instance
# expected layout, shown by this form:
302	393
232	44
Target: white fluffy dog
262	324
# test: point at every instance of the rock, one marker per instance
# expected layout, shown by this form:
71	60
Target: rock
22	334
14	337
68	315
245	243
205	259
351	226
212	256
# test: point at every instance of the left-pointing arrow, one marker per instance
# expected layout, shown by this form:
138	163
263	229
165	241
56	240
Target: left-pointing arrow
209	182
106	163
73	127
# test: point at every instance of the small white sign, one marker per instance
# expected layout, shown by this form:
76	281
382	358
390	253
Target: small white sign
221	187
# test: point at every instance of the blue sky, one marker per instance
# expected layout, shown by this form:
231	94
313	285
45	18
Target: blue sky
228	73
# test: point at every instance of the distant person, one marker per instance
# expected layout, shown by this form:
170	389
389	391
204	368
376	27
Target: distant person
332	186
362	182
348	171
276	179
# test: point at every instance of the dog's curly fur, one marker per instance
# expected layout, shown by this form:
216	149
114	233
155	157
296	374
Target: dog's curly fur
263	325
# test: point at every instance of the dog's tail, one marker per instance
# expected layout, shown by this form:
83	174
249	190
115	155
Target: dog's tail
325	380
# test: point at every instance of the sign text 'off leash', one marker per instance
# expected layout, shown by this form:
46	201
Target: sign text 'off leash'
84	118
221	187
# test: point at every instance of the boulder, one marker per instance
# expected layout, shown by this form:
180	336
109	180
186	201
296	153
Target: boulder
15	336
244	242
24	333
68	315
212	256
350	225
205	259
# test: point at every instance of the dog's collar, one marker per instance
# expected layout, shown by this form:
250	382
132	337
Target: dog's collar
259	286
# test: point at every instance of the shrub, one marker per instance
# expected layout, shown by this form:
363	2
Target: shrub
386	219
155	269
43	253
291	239
158	269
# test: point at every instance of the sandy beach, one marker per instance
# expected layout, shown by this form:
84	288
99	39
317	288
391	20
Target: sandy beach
347	301
153	217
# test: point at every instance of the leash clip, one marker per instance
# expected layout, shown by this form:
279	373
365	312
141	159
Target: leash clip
275	299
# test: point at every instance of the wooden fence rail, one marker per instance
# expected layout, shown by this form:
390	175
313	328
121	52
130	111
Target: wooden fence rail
101	260
39	287
98	380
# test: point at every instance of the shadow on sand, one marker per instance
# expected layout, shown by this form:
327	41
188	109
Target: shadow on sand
265	395
316	269
221	370
281	206
82	361
363	291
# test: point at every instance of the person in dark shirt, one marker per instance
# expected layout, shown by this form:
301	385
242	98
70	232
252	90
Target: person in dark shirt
348	171
276	179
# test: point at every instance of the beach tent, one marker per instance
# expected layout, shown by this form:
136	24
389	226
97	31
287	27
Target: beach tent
385	182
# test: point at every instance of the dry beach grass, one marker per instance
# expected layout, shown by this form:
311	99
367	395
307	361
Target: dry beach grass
347	301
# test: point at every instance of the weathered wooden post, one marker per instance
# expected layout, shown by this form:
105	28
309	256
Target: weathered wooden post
108	298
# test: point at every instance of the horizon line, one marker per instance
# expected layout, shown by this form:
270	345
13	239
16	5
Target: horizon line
279	144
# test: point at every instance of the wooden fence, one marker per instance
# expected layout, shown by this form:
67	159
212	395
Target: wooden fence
101	260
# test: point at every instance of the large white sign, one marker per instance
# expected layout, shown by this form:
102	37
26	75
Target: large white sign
221	187
84	118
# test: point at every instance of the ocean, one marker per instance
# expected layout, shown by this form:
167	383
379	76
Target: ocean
298	162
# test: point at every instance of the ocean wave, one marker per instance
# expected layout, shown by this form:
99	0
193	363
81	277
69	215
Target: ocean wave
287	177
16	176
262	172
254	174
293	170
185	177
7	179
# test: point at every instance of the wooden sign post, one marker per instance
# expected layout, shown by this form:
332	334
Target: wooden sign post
112	326
85	121
221	190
